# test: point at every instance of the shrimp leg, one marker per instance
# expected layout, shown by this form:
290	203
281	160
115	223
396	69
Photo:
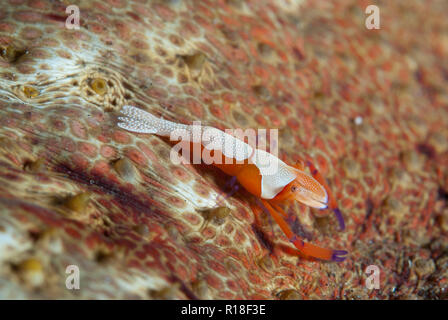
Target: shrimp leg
304	247
234	187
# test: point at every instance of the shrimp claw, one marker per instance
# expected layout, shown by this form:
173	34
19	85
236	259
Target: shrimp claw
332	202
307	249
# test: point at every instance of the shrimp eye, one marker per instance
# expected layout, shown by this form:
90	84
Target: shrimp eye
293	189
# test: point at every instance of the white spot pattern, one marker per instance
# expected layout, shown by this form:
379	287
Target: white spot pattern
275	174
137	120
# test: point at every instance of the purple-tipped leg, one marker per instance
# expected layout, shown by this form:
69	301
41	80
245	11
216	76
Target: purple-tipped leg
234	187
340	218
338	255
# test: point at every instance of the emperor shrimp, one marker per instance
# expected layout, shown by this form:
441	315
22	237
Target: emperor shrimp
239	159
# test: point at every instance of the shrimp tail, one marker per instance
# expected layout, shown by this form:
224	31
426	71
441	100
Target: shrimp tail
140	121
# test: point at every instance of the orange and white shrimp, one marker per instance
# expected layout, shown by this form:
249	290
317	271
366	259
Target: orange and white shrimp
242	161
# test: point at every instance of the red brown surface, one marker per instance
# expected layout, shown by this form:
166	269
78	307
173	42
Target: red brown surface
77	190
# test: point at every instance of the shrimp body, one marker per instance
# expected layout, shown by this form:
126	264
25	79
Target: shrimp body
259	172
